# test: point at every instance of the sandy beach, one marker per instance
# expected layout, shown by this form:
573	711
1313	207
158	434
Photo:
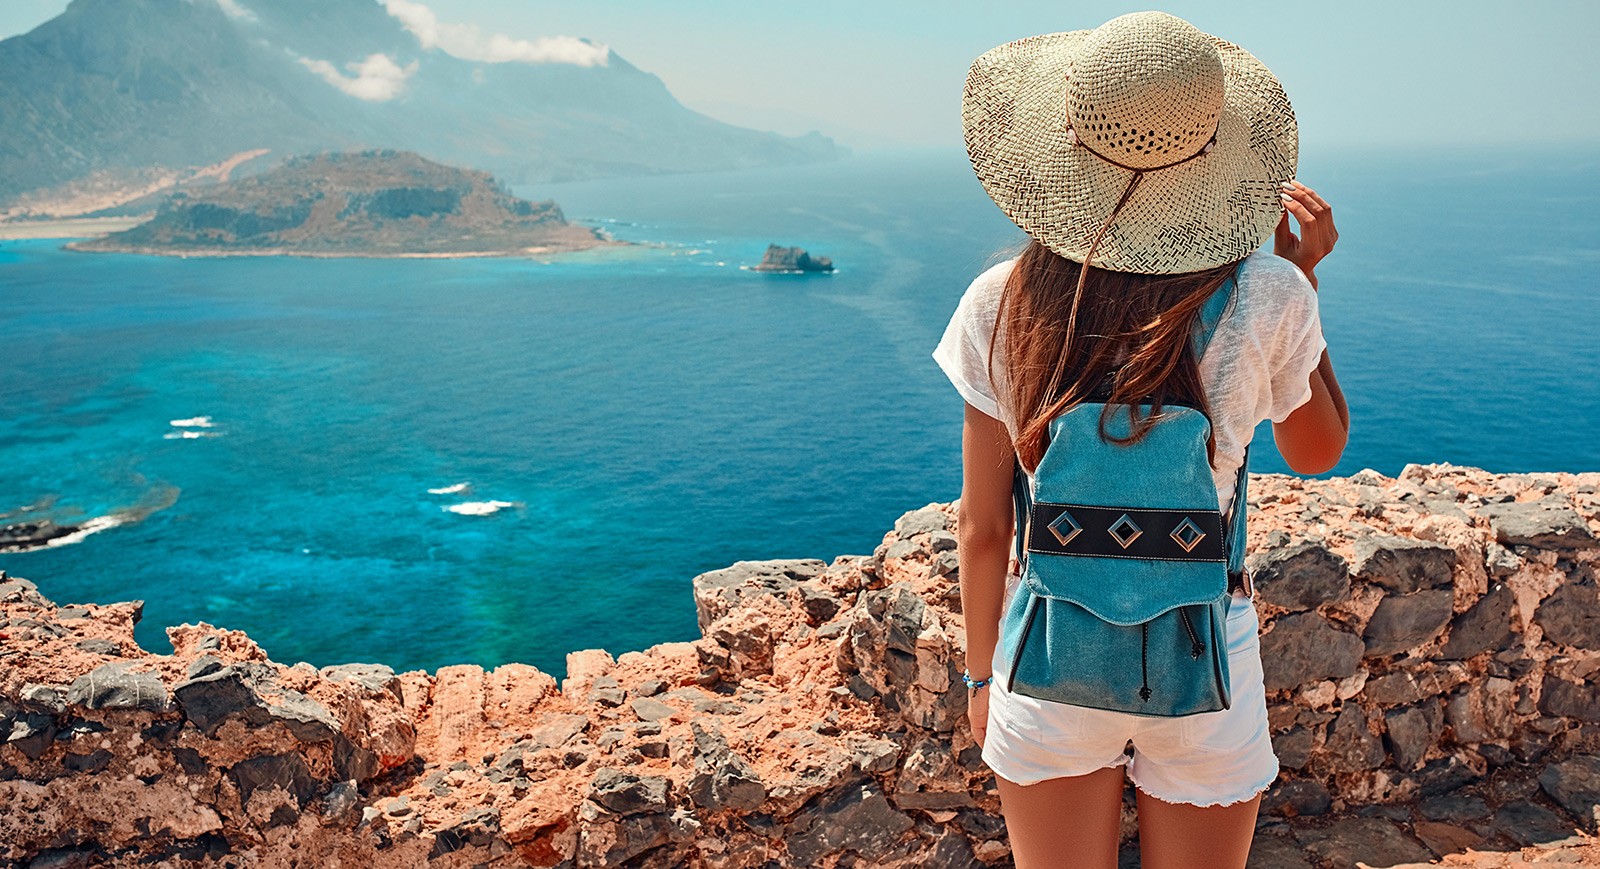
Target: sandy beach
70	227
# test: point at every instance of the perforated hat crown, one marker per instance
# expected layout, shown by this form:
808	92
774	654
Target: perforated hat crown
1160	142
1146	90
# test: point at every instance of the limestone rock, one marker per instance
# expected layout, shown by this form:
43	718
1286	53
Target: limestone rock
1403	564
1571	616
629	793
1296	799
1304	647
1486	626
114	686
1525	823
722	779
1483	711
791	260
860	820
1547	523
1300	577
1366	841
1565	699
1575	785
1350	744
246	692
1404	622
1410	732
718	592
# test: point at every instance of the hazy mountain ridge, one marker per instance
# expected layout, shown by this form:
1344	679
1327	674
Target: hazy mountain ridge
374	203
120	86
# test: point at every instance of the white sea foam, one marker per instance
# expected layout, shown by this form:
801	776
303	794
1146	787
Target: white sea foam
450	490
97	524
189	434
193	422
480	508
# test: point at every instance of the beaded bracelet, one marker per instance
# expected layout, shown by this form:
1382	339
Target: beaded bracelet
974	683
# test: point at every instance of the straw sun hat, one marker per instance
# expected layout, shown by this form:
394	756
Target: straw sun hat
1145	143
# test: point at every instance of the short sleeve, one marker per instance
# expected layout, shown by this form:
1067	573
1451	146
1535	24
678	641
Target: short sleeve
1296	348
963	352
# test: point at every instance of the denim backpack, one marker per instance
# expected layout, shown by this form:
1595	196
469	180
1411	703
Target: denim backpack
1127	562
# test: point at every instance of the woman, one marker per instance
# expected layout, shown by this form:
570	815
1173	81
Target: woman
1148	162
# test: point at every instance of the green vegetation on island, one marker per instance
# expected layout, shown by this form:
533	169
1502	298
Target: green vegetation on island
369	203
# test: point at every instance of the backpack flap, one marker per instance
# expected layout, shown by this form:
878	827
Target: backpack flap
1126	532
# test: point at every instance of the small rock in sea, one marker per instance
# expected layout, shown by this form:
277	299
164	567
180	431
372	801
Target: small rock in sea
792	260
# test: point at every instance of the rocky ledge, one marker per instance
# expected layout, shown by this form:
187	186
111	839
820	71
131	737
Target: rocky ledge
1431	645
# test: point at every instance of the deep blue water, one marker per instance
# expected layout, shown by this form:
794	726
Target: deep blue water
658	412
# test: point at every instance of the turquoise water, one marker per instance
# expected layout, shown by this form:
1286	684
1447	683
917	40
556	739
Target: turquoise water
649	414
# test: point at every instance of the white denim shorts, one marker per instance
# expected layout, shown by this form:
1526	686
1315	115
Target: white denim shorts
1208	759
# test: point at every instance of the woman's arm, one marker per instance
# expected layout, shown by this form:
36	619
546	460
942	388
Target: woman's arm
1313	437
984	527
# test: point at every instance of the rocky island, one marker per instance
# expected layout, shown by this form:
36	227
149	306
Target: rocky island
791	261
360	204
1431	643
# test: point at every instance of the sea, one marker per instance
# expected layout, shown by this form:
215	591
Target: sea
431	462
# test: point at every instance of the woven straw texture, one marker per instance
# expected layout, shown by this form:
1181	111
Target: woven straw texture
1145	90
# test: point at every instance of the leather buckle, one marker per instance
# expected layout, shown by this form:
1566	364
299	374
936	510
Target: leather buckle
1242	582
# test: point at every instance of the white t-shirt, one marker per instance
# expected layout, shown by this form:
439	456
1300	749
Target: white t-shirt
1258	365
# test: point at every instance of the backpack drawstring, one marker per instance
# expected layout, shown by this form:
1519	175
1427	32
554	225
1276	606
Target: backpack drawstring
1144	661
1196	648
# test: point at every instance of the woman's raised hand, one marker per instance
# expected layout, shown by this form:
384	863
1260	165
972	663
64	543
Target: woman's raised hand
1317	235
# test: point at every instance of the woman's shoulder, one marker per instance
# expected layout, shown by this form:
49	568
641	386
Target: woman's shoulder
984	290
1266	274
992	280
981	300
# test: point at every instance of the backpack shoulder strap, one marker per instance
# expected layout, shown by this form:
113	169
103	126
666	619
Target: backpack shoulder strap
1022	506
1234	524
1211	313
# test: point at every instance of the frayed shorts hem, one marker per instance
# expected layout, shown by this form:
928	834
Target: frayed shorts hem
1122	760
1213	800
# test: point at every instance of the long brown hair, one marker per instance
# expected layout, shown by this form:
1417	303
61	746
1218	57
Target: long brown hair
1059	349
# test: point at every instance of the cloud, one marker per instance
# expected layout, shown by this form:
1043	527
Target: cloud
377	79
468	42
237	10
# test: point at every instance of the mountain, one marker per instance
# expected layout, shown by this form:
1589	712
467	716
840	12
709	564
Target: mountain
373	203
118	98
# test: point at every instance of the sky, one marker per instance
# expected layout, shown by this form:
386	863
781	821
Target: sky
882	73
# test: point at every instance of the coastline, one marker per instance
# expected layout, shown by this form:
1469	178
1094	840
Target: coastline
79	230
1427	659
66	227
212	253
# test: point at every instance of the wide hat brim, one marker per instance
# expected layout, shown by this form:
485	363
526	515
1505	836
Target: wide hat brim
1208	211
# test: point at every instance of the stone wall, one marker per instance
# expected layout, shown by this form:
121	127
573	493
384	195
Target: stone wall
1430	645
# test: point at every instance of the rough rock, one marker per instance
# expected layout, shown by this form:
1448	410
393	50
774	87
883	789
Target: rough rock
1299	577
1404	622
114	686
1486	626
1363	841
1305	647
1403	564
1570	616
1547	523
1575	785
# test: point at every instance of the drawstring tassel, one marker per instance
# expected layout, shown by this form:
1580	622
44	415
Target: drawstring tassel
1144	661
